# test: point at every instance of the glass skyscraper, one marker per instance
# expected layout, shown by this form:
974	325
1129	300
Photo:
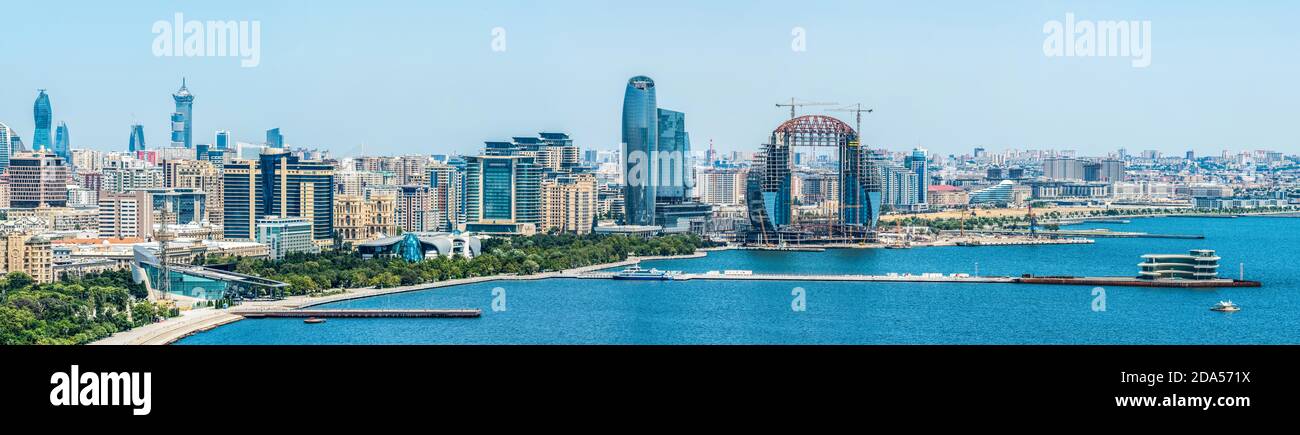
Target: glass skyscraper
223	140
137	138
672	184
274	139
502	190
183	118
918	162
44	116
63	142
640	136
6	146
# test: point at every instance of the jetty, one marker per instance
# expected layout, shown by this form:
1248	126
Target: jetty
957	278
402	314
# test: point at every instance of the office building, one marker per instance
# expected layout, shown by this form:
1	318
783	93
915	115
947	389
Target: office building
277	184
37	179
286	235
502	194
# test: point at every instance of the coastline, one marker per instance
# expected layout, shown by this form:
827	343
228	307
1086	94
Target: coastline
203	319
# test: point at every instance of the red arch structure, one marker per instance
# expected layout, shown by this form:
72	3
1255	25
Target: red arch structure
814	130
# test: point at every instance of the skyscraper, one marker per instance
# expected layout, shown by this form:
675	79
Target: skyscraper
640	136
183	118
674	146
6	146
502	194
223	140
277	184
274	139
62	142
44	116
137	138
918	162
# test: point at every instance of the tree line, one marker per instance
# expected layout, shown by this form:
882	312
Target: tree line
73	310
523	255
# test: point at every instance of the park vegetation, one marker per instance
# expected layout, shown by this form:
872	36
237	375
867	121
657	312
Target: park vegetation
333	270
73	310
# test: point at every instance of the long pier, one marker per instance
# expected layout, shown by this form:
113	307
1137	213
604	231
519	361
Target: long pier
1112	281
455	313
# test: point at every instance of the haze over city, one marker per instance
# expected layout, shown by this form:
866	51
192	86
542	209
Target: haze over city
947	76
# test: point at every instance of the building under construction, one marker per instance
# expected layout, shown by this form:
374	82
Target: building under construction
850	218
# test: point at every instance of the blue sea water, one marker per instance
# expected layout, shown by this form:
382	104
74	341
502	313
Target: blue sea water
571	311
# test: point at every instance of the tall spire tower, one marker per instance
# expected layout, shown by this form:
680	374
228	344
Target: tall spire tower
183	118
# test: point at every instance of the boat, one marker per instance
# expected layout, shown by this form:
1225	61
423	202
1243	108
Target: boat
637	273
1226	307
313	320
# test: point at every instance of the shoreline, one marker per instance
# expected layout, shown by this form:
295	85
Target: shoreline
199	320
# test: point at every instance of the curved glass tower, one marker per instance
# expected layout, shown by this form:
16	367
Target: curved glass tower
44	116
640	137
137	138
63	142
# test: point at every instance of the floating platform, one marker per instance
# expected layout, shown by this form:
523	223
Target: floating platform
456	313
1113	281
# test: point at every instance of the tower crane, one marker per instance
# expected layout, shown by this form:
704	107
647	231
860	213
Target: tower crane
796	103
857	110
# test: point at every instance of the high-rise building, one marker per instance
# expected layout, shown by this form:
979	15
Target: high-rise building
6	146
37	179
137	139
199	175
183	118
672	181
919	163
1063	168
222	141
44	117
502	194
415	211
640	134
274	139
277	184
722	186
569	203
447	182
63	142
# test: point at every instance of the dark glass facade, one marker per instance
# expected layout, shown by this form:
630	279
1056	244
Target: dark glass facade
277	184
640	134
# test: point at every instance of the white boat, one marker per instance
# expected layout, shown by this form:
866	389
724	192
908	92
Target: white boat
1225	306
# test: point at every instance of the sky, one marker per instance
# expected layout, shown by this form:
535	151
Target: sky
419	77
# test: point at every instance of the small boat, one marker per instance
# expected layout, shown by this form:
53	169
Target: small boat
637	273
1226	307
313	320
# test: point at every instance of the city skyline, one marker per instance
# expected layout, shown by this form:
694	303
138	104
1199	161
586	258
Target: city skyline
965	78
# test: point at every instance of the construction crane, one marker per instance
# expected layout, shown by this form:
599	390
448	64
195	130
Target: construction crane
795	103
857	110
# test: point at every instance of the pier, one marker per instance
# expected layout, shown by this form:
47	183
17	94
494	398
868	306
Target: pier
405	314
957	278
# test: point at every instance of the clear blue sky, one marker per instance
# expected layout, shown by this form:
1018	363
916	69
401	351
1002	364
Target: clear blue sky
419	76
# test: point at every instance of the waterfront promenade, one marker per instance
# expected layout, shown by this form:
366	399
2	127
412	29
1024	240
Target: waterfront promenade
202	319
